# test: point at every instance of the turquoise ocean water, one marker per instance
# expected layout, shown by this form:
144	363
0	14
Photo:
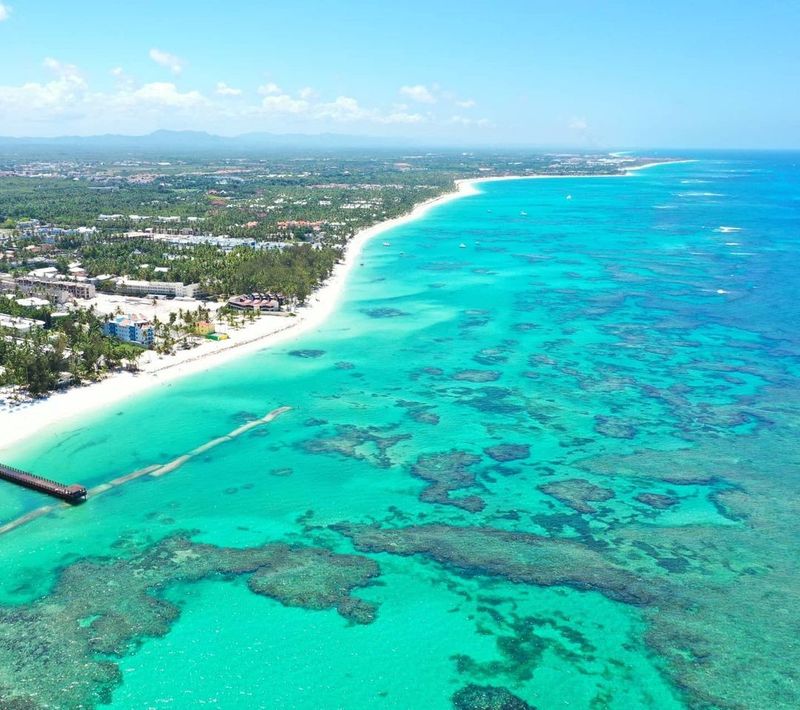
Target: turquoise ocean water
570	447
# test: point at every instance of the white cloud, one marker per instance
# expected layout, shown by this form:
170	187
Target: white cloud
283	103
40	101
224	90
578	124
466	121
165	59
163	93
37	101
269	89
402	117
65	103
67	72
466	103
344	108
419	93
5	12
123	79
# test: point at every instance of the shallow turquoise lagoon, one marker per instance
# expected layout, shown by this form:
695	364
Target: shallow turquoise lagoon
557	466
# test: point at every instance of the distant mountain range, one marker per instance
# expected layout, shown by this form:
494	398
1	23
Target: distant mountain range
166	141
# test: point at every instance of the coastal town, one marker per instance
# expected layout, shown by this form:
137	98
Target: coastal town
133	265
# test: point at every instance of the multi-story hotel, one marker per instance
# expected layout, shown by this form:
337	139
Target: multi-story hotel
131	329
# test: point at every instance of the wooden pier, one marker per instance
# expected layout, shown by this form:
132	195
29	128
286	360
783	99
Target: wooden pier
77	494
72	493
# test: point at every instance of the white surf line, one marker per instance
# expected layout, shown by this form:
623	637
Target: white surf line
154	470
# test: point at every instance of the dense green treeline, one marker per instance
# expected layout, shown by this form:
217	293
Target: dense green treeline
294	272
67	349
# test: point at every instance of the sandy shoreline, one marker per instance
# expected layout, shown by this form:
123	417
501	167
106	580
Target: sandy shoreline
26	420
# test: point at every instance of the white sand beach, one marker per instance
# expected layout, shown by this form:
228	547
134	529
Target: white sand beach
26	419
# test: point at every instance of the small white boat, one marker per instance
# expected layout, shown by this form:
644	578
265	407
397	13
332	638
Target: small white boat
462	246
523	214
387	244
569	197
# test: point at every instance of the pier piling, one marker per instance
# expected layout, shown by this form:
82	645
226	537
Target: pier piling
72	493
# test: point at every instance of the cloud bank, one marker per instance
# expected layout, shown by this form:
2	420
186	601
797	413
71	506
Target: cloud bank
65	101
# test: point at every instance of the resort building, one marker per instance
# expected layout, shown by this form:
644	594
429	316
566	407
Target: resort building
33	302
256	302
46	272
21	325
131	329
170	289
63	290
204	328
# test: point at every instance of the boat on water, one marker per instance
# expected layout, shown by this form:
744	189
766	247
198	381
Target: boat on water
569	197
387	244
523	213
462	246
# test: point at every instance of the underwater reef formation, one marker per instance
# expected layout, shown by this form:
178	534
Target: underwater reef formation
577	493
383	312
492	400
487	697
508	452
732	642
659	501
419	411
316	579
307	353
349	439
447	472
477	375
519	557
493	356
613	427
60	650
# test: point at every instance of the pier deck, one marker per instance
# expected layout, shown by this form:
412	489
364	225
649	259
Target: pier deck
72	493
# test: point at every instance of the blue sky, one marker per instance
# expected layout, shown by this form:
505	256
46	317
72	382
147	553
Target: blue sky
643	73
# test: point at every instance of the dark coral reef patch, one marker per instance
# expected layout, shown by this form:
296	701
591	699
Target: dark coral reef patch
659	501
508	452
577	493
60	651
419	411
519	557
447	472
487	697
307	353
383	312
477	375
614	427
363	443
492	400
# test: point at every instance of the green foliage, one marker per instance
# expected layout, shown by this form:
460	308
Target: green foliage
73	345
293	272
